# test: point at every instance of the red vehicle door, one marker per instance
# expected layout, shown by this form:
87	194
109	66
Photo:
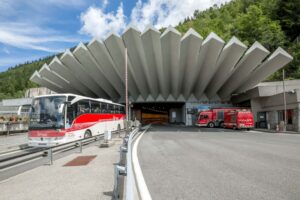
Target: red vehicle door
204	118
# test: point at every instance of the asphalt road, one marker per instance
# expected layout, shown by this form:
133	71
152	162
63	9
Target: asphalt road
12	141
192	163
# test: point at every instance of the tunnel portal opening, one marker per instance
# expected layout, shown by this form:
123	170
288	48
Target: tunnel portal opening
158	113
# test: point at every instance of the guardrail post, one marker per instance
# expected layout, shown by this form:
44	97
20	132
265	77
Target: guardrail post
123	151
8	125
80	146
120	172
50	156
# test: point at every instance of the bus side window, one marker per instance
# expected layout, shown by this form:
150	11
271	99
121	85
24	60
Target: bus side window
111	108
83	107
70	114
103	107
117	109
95	107
122	109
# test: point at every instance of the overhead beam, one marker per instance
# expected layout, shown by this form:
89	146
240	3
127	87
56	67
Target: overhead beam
152	48
55	78
83	55
252	58
189	53
212	47
230	55
275	62
72	63
36	77
116	49
57	66
101	55
133	43
170	45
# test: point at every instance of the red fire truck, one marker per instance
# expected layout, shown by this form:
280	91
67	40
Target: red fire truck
214	117
239	119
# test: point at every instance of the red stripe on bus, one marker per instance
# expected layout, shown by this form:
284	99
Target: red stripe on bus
94	117
84	121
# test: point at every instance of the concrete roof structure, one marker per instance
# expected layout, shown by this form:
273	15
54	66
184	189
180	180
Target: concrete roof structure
163	67
267	89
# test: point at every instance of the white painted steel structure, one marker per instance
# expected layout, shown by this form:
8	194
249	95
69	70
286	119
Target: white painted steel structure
165	67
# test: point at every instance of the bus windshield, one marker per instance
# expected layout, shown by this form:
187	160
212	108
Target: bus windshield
47	113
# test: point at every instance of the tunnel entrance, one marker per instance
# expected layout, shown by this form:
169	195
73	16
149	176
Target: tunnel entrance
158	113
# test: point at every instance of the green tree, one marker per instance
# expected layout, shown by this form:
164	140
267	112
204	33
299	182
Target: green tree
254	25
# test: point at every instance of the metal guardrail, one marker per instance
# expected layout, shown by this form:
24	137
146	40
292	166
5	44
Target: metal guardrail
126	167
24	156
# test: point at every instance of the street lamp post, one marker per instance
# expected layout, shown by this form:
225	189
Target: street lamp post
126	89
284	100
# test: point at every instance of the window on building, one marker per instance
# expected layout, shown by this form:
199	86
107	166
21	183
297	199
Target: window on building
289	116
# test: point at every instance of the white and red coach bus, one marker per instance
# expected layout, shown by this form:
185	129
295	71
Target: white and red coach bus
60	118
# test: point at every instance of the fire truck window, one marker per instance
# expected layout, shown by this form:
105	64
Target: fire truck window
203	116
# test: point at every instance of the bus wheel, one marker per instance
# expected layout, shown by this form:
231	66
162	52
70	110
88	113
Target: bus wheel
211	125
87	134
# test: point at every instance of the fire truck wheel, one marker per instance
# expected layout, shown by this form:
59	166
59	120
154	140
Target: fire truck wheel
222	125
211	125
87	134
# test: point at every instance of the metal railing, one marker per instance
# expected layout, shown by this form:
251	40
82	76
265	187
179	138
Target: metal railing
46	152
128	188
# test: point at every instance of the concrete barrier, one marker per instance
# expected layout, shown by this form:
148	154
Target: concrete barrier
7	127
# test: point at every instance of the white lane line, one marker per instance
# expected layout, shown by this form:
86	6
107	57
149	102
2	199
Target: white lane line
141	184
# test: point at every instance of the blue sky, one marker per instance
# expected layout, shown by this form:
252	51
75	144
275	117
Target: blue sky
32	29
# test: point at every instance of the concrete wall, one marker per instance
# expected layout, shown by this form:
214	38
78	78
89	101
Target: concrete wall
272	104
178	117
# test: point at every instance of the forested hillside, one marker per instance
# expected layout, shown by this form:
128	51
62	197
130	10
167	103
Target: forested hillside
271	22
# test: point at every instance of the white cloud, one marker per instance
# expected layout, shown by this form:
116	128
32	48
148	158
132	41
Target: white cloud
30	37
99	24
6	51
160	13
